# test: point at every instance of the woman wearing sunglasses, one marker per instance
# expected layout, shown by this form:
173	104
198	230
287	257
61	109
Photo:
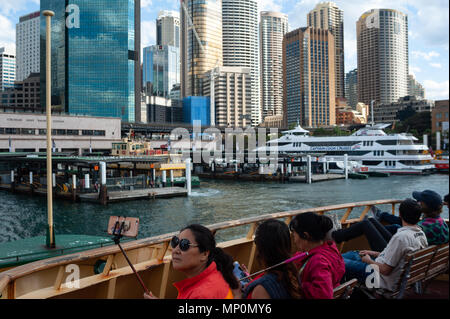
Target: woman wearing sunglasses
322	270
209	270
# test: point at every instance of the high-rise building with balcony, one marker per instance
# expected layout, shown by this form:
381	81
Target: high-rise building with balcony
168	28
232	95
240	46
28	52
201	42
327	15
415	88
273	26
7	69
95	57
308	71
382	45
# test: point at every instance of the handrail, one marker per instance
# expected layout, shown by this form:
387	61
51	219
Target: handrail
40	265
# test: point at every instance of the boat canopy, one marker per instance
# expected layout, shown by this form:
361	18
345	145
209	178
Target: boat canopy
298	130
372	130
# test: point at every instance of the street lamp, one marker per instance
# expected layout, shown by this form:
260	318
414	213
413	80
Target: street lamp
50	231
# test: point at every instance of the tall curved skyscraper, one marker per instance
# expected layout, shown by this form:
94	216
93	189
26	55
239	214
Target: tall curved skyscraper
240	45
273	27
206	18
383	68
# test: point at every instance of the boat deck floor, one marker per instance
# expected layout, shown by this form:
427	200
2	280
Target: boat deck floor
437	289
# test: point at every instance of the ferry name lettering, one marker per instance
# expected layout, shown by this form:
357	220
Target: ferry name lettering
331	148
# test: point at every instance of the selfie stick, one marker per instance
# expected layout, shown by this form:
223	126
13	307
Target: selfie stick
287	261
116	238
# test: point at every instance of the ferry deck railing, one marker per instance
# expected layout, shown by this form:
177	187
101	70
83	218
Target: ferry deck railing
152	258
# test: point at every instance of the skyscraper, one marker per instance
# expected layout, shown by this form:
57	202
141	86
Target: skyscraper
201	42
168	28
95	57
382	42
232	95
308	71
327	15
7	69
273	26
27	45
240	45
351	88
161	69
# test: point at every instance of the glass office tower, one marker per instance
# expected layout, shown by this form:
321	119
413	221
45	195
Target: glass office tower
95	64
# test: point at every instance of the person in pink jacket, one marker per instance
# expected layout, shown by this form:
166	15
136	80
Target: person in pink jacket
323	268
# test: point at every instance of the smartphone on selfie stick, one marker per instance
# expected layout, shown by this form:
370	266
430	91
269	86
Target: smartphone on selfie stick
125	226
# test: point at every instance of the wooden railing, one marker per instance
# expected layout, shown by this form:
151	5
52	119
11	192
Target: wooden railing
151	257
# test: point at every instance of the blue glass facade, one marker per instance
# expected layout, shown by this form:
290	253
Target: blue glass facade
161	69
94	67
197	108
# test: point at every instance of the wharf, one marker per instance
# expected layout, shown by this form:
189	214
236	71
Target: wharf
275	178
149	193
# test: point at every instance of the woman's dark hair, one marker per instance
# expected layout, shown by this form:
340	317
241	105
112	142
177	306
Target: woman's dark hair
206	242
317	226
410	211
273	244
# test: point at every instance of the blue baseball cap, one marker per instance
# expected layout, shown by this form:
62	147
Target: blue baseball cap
432	199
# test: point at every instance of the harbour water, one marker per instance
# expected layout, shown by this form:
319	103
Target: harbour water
23	216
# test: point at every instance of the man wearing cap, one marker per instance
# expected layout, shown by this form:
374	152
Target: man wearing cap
389	262
432	224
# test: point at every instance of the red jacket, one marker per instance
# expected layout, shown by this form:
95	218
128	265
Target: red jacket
207	285
323	271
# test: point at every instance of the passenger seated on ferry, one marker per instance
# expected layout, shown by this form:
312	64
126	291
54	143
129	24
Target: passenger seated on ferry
389	262
432	224
446	203
322	270
273	246
209	270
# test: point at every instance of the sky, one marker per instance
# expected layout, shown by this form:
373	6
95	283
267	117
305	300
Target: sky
428	30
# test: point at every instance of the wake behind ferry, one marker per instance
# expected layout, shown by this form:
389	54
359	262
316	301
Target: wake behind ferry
370	146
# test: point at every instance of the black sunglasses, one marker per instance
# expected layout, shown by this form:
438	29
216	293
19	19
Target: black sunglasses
184	243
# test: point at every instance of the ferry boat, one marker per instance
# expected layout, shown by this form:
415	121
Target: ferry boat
440	161
104	273
370	146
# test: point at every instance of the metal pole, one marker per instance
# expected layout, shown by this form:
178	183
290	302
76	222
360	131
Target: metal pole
188	175
346	166
50	233
371	111
425	140
309	171
438	141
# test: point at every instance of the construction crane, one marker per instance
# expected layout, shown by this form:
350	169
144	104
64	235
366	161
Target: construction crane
212	74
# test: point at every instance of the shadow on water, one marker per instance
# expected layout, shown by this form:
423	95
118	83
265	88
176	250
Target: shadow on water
215	201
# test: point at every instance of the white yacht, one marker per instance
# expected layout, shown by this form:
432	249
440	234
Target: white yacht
370	146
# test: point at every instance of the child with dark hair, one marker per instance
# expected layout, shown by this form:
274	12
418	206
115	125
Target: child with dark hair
209	269
321	271
273	246
389	262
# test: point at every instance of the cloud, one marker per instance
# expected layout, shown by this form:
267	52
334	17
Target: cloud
7	34
270	5
436	90
436	65
148	33
8	7
425	55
